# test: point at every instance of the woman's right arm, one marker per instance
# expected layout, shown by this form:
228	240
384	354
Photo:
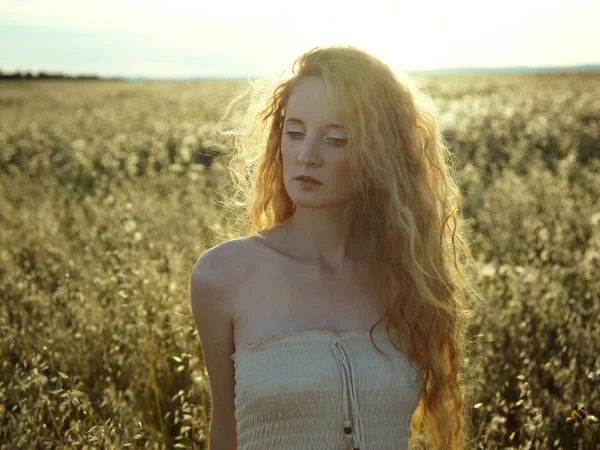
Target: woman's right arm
211	302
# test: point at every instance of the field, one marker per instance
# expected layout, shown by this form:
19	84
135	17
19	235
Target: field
104	205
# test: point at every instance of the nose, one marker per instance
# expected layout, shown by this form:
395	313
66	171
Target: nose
309	152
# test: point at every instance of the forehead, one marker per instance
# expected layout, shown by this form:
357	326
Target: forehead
312	101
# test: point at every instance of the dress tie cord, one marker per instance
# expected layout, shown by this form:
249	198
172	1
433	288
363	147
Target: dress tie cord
343	358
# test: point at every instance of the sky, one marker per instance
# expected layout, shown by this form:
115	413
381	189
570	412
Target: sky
241	39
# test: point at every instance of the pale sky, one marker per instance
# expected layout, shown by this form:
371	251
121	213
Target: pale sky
240	39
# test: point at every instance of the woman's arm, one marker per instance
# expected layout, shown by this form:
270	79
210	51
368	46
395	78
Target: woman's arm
211	308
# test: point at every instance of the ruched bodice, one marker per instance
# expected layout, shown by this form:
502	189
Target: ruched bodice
296	391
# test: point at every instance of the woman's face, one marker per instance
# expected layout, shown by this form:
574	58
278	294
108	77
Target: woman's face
314	143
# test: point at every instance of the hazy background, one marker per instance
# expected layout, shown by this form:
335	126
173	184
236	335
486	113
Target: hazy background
237	39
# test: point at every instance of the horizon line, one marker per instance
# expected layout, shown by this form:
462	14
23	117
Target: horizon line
447	70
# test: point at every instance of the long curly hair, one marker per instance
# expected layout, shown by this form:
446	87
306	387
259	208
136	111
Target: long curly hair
407	201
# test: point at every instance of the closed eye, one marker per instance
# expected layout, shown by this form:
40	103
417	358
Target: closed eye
338	142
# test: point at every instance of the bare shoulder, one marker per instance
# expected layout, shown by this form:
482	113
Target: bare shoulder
213	282
210	292
224	261
221	270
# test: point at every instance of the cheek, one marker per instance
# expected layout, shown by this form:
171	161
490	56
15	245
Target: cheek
288	147
343	179
285	156
342	170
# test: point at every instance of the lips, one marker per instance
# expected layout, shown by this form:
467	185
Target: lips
305	178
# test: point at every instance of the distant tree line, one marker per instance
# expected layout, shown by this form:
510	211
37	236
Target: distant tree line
18	75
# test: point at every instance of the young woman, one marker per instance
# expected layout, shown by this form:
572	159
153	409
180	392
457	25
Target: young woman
337	308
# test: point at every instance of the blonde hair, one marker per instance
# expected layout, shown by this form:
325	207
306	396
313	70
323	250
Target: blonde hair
407	201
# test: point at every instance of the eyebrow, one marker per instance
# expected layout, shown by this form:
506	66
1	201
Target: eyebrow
329	125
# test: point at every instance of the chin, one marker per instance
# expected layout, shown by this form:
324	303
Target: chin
307	203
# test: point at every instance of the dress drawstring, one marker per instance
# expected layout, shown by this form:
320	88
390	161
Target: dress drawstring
353	436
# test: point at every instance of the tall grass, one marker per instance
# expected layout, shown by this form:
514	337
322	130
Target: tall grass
104	206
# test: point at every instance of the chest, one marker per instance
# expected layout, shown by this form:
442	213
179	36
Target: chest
275	298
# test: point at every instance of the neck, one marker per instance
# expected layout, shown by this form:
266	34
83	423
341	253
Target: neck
324	237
